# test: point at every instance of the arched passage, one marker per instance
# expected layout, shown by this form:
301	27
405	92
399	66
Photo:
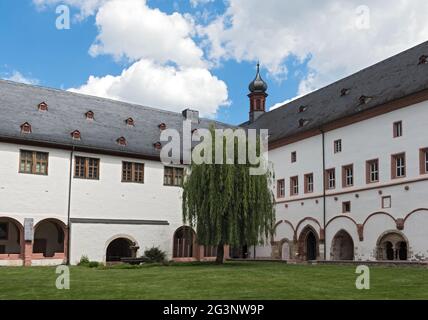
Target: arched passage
50	238
308	244
342	247
120	248
184	245
11	239
392	245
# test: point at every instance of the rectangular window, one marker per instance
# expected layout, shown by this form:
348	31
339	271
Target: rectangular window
4	230
337	146
173	176
386	202
347	176
293	156
294	186
280	188
33	162
132	172
398	129
423	160
331	179
87	168
372	171
398	165
309	183
346	206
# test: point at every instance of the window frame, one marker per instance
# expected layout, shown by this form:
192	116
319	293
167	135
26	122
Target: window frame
423	160
345	176
34	162
133	178
394	166
346	204
369	171
86	168
383	202
328	180
280	188
293	156
294	186
308	183
173	176
397	129
337	146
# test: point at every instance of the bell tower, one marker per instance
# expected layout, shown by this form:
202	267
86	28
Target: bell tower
257	96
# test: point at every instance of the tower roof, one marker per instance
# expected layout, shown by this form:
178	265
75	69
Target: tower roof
258	84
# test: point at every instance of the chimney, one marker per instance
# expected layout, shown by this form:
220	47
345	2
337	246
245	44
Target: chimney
191	115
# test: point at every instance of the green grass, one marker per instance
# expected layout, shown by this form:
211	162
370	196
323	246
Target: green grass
234	280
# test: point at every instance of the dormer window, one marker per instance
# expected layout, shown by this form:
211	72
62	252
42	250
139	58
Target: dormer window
157	145
121	141
303	122
302	109
25	128
344	92
42	106
130	122
162	126
75	135
423	59
89	115
365	100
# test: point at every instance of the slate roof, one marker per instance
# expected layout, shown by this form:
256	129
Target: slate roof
393	78
66	113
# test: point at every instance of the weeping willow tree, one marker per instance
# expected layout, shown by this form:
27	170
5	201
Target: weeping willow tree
226	205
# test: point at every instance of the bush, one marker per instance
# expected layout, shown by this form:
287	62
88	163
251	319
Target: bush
84	261
155	255
93	264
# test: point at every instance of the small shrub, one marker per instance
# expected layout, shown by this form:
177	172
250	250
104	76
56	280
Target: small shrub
84	261
93	264
155	255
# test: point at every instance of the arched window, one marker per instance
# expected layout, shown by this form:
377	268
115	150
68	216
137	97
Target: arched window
184	243
342	246
119	248
49	238
392	246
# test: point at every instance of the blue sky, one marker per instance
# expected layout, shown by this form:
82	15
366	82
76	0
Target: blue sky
34	50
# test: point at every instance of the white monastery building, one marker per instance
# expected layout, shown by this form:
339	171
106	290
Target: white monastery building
82	176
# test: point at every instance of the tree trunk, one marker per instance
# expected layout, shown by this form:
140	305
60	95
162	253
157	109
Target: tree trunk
220	254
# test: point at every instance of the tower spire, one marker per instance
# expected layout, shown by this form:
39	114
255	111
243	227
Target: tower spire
257	95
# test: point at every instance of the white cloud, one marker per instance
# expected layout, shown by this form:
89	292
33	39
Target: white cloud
161	86
152	40
327	31
19	77
129	28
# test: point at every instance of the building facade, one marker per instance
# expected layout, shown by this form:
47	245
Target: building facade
82	176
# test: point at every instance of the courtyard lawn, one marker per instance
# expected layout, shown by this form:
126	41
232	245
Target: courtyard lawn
234	280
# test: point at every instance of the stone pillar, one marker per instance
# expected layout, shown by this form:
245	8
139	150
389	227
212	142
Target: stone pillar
28	253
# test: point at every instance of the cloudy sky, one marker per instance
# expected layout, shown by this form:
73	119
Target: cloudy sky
201	53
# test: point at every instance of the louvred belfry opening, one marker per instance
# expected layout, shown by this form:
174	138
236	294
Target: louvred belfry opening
25	127
257	96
